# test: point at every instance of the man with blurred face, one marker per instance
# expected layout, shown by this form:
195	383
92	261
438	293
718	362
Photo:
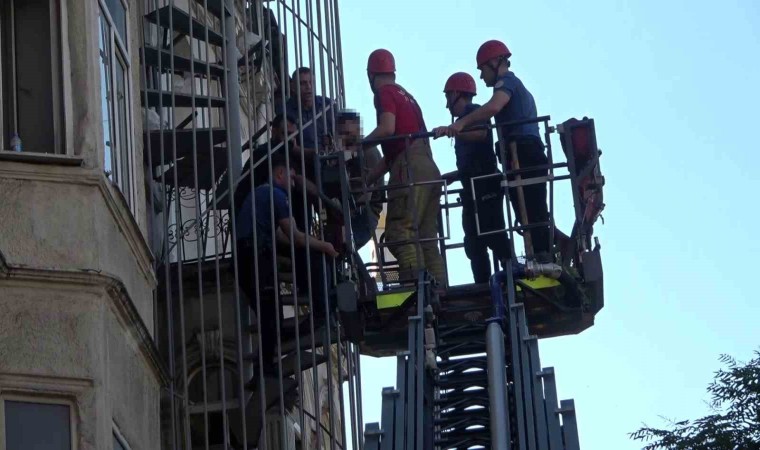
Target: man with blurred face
364	222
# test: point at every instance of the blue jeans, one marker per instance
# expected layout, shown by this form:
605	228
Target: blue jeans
363	226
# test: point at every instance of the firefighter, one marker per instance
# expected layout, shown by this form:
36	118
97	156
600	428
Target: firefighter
475	157
510	102
412	212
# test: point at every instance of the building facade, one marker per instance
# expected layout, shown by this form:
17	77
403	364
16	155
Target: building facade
77	351
120	324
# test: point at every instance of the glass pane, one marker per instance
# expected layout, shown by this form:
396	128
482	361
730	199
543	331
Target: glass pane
122	114
119	16
104	48
35	84
37	426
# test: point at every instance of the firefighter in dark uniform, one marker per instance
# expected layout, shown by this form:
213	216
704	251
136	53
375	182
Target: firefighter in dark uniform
475	157
510	102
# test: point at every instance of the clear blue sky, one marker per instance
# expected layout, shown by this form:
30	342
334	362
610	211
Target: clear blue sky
673	88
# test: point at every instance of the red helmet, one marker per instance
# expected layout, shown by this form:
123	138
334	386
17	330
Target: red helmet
461	82
491	50
381	61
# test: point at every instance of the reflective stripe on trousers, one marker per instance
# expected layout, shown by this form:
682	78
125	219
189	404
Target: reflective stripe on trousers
413	213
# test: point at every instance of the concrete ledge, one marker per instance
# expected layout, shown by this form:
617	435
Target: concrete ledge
99	282
41	158
30	382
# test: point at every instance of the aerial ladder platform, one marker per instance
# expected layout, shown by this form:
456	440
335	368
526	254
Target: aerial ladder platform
468	368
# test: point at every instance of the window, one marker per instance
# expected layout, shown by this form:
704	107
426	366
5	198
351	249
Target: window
115	95
39	426
30	76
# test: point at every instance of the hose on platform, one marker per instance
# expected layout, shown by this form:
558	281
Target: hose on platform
574	298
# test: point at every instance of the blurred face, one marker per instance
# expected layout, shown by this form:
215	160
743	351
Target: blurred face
487	74
306	83
350	132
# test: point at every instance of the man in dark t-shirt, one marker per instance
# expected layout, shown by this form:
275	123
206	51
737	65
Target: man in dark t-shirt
475	158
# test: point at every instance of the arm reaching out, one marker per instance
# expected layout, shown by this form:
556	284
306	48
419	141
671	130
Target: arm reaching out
386	126
482	114
285	227
378	171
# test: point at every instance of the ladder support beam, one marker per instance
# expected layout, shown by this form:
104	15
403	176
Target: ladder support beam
497	386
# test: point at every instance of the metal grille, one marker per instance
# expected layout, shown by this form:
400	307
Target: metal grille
215	72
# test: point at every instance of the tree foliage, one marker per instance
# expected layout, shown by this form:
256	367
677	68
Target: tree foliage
734	422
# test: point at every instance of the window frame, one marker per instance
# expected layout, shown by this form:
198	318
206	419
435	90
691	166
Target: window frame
61	86
123	178
43	400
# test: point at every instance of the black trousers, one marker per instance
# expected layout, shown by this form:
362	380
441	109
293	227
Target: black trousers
490	215
247	270
530	152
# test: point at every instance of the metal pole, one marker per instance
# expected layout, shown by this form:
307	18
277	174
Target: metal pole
497	385
522	209
232	81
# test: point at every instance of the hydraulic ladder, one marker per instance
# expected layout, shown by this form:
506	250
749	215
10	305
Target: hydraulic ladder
484	386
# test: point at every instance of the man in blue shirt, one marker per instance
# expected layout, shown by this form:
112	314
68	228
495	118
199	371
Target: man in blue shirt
264	225
302	89
282	126
317	120
475	158
511	102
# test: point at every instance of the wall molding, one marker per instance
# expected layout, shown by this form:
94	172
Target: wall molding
43	384
125	220
98	283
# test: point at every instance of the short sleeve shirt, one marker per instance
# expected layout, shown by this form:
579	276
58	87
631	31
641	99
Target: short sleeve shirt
265	205
394	99
475	158
260	172
521	106
321	104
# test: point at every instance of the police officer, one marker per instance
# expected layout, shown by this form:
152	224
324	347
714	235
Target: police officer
258	233
511	101
412	217
475	157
